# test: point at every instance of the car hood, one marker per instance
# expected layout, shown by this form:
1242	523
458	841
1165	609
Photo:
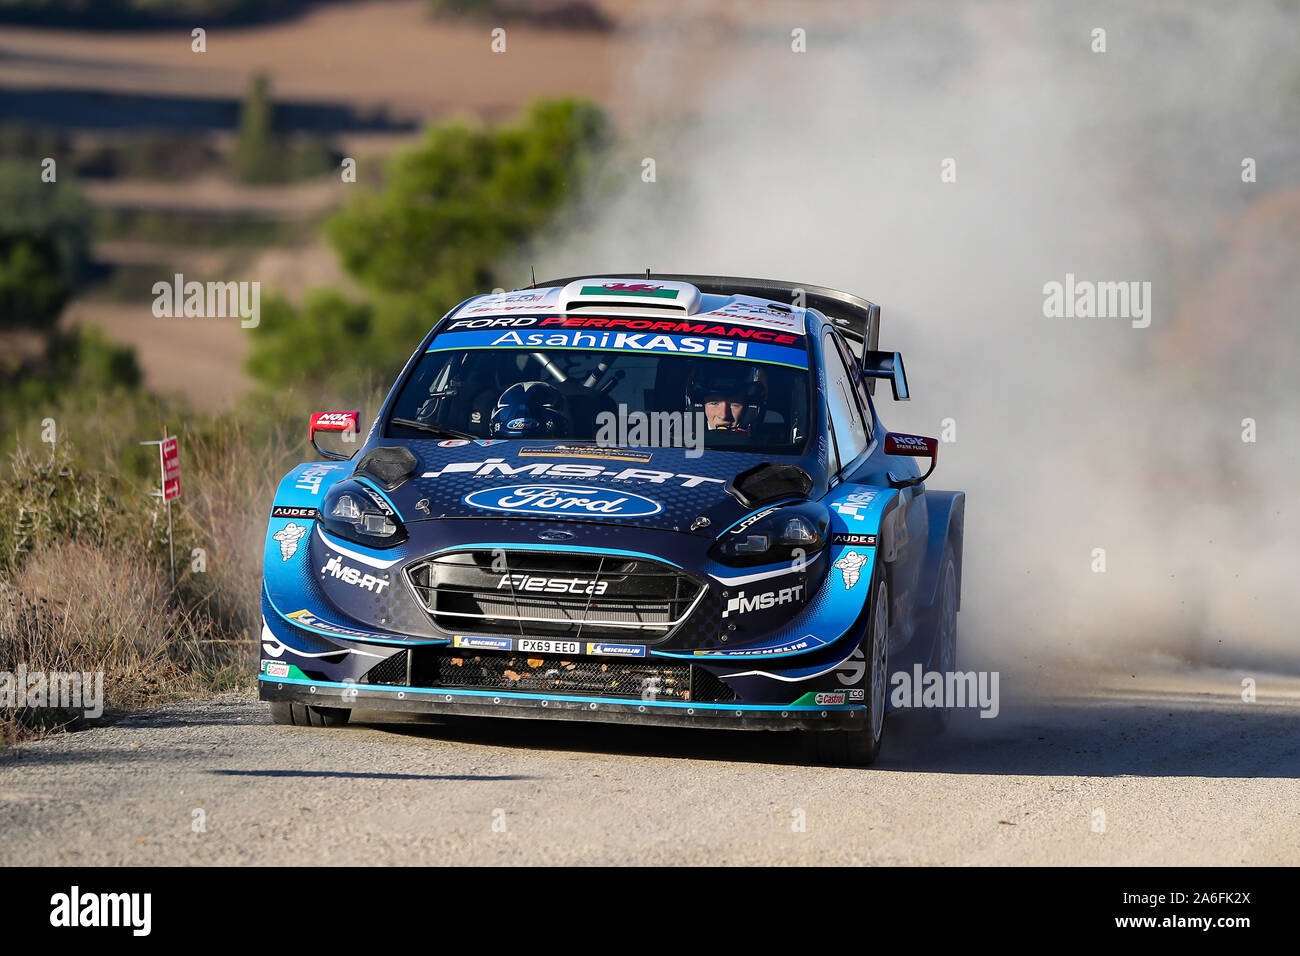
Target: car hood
562	482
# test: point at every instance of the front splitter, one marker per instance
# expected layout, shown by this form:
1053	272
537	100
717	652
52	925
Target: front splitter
563	707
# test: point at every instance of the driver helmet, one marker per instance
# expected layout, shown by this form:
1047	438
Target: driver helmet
735	382
530	410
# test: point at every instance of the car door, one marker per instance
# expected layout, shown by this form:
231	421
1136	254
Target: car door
852	422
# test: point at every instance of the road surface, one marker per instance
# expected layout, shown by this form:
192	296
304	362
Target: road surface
1166	767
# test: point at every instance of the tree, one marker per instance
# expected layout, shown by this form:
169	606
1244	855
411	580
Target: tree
255	150
468	196
43	245
449	212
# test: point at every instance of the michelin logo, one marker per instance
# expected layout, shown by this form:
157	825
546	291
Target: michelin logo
740	604
616	650
808	642
483	643
289	536
851	567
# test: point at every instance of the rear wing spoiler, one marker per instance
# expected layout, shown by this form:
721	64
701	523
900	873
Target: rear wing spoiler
857	319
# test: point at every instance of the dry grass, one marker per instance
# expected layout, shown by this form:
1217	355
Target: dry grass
231	475
85	584
75	607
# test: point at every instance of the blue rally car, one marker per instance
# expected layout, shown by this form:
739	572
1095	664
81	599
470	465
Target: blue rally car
661	500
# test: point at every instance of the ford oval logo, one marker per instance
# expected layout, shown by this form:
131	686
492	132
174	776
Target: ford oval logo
548	499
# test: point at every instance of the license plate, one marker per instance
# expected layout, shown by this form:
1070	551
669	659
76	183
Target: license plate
549	647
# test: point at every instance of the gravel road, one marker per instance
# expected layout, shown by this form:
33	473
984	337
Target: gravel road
1167	767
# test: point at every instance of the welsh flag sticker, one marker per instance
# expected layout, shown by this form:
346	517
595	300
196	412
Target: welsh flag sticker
645	289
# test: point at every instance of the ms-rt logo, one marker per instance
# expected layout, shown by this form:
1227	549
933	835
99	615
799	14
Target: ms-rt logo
78	909
743	603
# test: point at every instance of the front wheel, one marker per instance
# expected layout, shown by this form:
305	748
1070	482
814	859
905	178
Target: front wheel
305	715
943	658
859	748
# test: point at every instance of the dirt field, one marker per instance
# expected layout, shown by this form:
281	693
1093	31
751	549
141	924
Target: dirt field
199	359
386	58
386	54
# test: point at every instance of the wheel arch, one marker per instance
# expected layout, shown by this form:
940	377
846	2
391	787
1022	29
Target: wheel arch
947	514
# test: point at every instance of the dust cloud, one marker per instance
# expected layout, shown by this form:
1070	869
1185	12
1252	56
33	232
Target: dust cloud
1072	434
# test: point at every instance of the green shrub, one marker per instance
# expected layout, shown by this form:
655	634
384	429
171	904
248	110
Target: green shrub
44	241
196	228
255	157
33	288
83	381
466	197
264	154
320	340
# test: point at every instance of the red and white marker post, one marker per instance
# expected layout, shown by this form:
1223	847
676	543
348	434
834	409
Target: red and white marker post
169	462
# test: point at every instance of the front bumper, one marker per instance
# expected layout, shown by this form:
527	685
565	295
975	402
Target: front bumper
735	716
749	656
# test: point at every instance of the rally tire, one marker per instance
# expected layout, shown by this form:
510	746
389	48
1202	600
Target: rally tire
305	715
943	657
859	748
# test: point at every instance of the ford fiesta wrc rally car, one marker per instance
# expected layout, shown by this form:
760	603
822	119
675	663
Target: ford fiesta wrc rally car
663	500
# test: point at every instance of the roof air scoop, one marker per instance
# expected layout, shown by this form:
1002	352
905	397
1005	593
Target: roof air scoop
652	296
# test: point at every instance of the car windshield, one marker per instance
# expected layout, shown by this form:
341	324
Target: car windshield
644	392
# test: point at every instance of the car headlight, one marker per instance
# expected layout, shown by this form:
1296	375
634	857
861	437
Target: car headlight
357	513
774	535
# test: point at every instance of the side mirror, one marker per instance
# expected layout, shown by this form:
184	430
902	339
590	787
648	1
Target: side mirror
887	365
914	446
345	422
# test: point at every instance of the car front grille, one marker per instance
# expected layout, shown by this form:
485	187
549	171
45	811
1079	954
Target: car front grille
433	667
552	675
390	671
549	594
546	674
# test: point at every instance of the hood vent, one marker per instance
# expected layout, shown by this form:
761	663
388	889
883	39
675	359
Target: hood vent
770	482
390	465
